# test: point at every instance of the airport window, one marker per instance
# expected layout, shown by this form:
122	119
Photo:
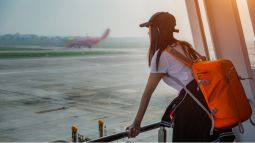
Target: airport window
207	30
248	30
77	62
246	27
84	63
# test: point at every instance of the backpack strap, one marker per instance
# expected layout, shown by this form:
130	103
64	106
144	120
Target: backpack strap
179	56
189	62
190	52
210	114
187	59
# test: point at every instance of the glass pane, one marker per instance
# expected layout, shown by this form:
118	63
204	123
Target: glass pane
59	66
247	29
207	30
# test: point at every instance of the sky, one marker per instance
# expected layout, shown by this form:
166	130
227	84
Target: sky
90	17
85	17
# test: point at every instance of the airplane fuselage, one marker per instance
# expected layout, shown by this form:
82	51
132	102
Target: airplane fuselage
87	42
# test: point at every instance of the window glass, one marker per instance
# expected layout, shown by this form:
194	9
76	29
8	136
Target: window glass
247	29
66	62
207	30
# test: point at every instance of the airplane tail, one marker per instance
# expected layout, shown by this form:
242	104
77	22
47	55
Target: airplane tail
105	35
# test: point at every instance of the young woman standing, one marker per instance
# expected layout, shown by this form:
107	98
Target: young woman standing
190	122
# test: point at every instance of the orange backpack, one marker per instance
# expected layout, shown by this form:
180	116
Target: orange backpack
220	85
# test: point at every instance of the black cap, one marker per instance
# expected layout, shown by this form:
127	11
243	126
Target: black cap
161	18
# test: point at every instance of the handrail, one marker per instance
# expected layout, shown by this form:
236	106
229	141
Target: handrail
125	134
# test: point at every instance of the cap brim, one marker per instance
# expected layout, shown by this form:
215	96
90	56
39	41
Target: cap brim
176	30
146	24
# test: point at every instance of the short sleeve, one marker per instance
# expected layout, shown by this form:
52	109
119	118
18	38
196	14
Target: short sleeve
162	65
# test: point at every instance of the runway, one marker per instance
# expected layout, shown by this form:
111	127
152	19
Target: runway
40	98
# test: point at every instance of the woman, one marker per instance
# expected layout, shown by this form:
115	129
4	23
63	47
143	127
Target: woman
190	122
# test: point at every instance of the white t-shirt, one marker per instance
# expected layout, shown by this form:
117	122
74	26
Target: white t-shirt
170	65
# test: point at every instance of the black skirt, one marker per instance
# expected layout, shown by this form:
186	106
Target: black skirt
190	122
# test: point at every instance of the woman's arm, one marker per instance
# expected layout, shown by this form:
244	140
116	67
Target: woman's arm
153	80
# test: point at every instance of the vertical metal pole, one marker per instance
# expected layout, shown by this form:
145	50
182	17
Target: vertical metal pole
197	27
251	7
162	134
228	40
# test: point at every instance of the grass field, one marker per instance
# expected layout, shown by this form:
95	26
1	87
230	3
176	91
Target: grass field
53	54
44	51
18	49
20	52
107	47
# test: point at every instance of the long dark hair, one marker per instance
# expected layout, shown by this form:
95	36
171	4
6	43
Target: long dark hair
161	37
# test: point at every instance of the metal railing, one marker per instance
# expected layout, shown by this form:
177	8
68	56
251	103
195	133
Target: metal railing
161	134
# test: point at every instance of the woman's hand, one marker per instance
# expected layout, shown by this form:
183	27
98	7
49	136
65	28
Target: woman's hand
154	78
133	130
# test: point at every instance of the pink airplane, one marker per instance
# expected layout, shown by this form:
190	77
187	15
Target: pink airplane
88	41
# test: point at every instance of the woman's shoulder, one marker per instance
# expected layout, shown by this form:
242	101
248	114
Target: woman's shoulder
163	54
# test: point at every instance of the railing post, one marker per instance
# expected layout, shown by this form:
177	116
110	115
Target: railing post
74	133
101	128
162	134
